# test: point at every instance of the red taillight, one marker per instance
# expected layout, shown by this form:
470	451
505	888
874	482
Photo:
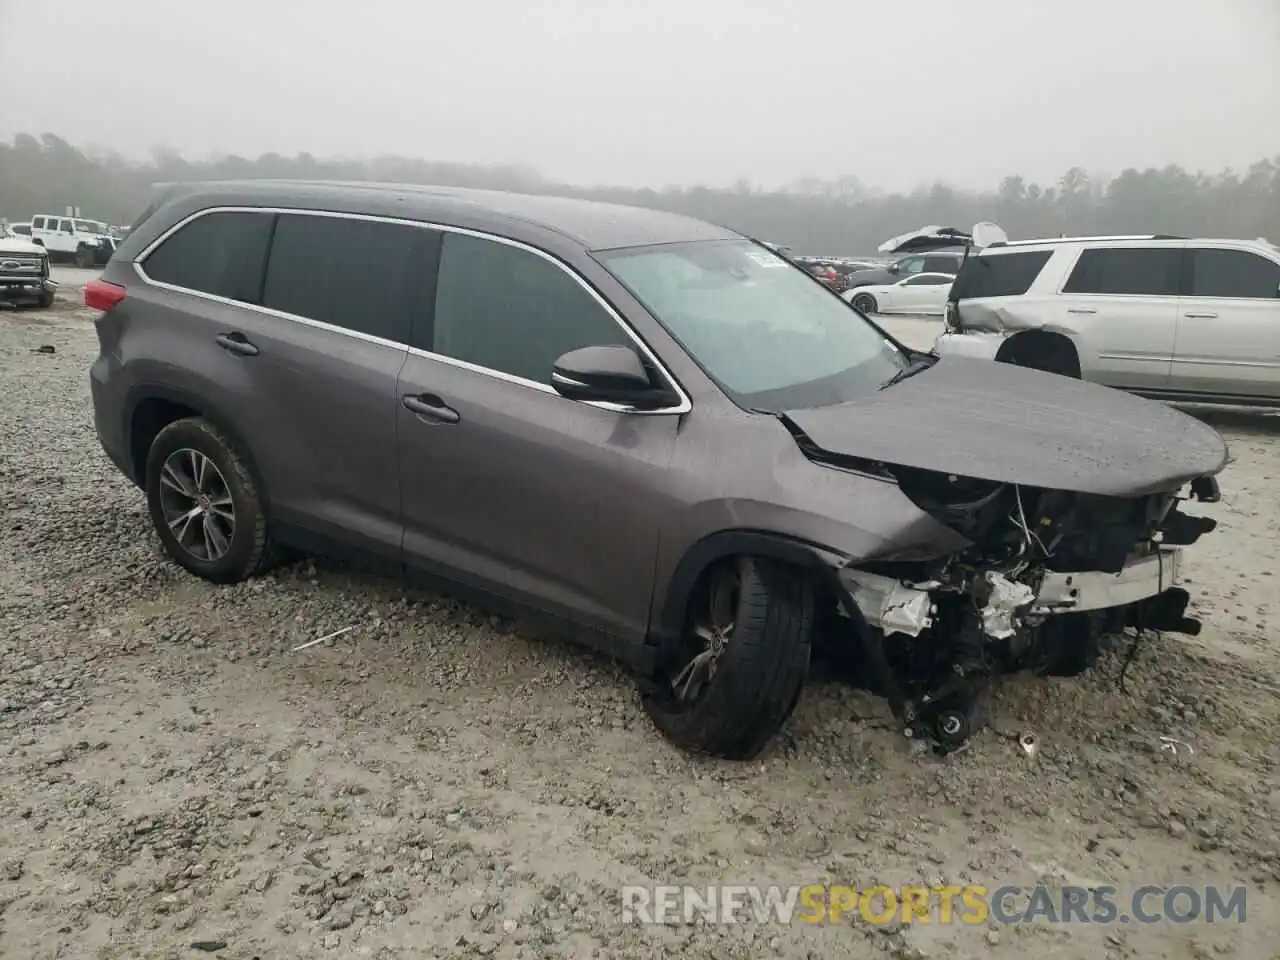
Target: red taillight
100	295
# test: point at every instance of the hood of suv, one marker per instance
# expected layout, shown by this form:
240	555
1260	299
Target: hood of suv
1006	424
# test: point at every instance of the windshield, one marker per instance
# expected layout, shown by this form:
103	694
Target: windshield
90	226
768	335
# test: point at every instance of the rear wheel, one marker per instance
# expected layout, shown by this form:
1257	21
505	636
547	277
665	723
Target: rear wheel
204	503
865	303
84	257
739	673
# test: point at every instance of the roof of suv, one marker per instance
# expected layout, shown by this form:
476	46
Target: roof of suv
594	225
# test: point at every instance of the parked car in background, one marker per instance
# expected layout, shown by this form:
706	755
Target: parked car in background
653	434
1165	317
20	229
939	261
24	272
931	237
922	293
86	243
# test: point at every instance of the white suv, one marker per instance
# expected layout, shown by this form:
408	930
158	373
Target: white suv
88	243
1165	317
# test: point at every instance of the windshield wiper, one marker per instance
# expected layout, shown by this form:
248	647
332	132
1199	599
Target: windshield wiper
910	370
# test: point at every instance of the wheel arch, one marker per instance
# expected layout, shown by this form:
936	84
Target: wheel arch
1045	345
149	408
702	555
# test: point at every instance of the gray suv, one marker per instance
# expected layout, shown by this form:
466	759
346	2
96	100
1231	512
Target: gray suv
651	432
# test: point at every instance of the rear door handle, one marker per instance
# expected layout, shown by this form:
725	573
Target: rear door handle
236	343
1200	316
431	407
1080	310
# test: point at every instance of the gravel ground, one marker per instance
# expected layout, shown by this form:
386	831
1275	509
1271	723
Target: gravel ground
175	778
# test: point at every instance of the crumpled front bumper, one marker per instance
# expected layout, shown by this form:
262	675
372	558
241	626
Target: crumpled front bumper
908	608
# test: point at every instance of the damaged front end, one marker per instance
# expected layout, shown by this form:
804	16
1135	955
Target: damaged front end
1049	574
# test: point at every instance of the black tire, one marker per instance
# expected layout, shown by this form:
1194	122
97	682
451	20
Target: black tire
46	298
865	303
84	257
249	549
759	676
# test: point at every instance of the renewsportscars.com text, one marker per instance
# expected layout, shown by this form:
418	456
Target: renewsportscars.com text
816	904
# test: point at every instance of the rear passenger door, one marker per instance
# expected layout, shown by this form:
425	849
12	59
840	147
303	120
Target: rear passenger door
1228	340
294	328
1122	301
508	486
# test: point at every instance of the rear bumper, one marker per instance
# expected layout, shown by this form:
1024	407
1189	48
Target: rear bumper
106	419
978	346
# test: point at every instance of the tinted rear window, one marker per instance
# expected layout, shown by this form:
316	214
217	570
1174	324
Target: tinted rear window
999	274
367	276
1131	271
1233	273
219	253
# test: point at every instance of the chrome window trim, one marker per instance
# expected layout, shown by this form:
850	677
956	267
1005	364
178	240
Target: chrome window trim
684	406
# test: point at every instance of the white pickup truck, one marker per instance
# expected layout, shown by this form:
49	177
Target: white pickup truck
24	271
86	243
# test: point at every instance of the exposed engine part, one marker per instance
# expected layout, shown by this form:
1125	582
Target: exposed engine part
1006	599
891	605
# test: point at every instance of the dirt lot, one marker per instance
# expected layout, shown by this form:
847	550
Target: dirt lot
438	783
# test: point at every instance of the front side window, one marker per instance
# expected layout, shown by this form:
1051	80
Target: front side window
367	276
37	223
90	226
508	309
223	254
911	265
1126	271
1233	273
932	280
770	338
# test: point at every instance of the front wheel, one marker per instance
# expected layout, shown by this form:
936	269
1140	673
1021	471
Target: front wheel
865	303
739	673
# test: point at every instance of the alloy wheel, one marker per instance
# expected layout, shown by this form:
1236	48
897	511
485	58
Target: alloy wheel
711	633
197	505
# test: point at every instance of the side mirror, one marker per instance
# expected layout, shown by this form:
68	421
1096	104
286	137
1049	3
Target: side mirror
612	374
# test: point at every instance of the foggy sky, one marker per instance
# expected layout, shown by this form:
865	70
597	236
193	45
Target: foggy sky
652	92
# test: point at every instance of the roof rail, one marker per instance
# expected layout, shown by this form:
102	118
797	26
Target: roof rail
1043	240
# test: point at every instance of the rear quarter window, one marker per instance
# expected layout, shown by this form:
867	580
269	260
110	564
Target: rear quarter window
223	254
999	274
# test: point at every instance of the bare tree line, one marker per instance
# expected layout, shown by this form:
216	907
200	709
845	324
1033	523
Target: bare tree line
47	174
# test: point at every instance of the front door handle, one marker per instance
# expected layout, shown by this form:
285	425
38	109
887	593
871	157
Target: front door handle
431	407
1080	310
1201	316
236	343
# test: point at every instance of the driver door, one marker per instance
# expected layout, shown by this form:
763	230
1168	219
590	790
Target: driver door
507	486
